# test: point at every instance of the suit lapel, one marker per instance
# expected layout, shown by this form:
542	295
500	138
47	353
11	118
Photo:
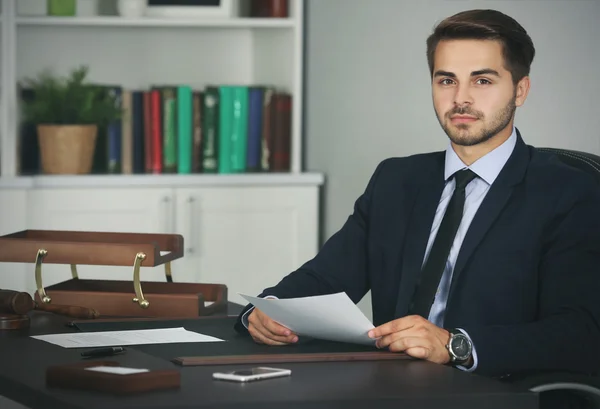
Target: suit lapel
427	192
489	210
491	207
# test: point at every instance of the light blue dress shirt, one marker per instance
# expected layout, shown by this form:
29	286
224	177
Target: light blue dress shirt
487	168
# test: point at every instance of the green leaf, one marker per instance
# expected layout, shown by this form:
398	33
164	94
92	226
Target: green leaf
69	100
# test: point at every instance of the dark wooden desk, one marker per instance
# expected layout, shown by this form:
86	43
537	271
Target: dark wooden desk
391	384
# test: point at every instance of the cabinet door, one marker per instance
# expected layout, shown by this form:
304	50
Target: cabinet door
248	238
137	210
13	218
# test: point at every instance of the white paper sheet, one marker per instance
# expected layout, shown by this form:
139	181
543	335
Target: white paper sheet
331	317
131	337
117	370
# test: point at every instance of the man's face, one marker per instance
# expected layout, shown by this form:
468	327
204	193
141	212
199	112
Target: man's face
473	94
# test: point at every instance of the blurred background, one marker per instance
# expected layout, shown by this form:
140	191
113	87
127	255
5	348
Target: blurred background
351	87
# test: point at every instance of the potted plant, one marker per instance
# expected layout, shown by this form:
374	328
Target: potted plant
68	112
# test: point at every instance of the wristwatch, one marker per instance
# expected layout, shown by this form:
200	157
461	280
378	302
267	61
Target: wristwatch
459	347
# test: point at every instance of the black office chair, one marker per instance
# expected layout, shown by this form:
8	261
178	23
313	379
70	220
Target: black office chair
587	162
588	387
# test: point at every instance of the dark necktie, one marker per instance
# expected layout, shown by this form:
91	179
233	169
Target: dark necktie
438	255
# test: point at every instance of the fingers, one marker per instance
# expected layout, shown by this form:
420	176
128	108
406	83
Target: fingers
273	327
260	338
420	341
266	331
419	352
416	347
400	343
417	331
397	325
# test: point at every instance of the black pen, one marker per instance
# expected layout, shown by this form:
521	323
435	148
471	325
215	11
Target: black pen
102	352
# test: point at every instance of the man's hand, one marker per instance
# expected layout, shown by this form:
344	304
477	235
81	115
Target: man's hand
415	336
266	331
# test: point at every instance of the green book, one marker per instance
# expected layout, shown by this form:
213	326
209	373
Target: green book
239	129
184	129
225	128
210	129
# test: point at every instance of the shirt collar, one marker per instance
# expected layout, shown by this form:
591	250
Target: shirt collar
487	167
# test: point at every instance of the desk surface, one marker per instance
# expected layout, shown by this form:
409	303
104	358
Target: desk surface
382	384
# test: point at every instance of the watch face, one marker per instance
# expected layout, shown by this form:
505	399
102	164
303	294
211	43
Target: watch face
460	346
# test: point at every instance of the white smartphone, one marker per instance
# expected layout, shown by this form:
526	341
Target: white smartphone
253	374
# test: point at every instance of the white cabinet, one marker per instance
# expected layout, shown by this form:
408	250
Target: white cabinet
13	218
127	209
246	237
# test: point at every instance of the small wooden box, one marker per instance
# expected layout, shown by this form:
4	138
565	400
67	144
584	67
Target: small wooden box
76	376
113	298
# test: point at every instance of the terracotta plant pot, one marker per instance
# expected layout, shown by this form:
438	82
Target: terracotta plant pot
67	149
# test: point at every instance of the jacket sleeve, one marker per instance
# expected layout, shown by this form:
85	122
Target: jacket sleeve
341	264
566	333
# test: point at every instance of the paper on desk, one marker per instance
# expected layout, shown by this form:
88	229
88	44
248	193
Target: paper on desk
130	337
331	317
117	370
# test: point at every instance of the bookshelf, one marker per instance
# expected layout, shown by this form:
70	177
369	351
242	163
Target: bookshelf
243	50
246	230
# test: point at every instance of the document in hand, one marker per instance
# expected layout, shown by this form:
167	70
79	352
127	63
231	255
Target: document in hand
331	317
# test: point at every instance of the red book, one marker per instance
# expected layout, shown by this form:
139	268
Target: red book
156	131
147	133
269	8
281	132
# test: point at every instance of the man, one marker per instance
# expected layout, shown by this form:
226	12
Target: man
485	256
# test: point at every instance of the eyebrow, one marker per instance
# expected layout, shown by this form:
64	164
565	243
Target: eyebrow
485	71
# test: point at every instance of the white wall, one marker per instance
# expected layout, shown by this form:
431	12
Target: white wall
368	92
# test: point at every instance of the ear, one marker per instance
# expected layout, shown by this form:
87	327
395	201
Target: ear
522	90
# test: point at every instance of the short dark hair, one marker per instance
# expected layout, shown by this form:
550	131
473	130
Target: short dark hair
518	49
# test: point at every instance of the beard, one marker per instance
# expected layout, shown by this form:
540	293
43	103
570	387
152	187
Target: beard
462	135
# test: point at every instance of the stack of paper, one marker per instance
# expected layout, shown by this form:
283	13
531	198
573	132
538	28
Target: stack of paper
331	317
118	338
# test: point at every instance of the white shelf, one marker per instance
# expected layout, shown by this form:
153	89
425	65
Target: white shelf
110	21
172	180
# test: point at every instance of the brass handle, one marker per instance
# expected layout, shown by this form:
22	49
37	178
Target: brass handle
74	271
168	272
137	285
38	276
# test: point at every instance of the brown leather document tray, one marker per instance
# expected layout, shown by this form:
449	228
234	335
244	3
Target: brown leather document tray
76	376
92	248
112	298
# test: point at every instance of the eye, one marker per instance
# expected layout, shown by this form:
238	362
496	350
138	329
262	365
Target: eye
446	81
483	81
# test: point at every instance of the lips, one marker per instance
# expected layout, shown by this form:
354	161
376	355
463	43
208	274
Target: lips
463	118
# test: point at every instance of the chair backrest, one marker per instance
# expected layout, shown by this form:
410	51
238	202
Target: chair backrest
588	162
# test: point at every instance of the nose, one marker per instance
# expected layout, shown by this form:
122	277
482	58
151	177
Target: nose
463	95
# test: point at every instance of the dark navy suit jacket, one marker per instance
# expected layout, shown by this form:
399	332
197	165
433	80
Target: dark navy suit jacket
526	285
